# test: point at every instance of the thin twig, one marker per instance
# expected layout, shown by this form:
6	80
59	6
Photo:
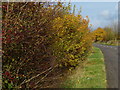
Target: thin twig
52	78
44	77
26	81
22	8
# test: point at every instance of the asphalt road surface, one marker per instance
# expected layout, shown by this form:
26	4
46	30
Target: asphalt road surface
111	63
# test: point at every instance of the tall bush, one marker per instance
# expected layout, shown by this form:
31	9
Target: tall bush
72	40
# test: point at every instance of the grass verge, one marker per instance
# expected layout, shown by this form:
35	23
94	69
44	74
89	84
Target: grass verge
111	43
90	75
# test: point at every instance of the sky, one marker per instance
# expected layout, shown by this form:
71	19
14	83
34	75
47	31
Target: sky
101	14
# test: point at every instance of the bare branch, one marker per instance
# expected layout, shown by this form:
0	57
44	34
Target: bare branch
26	81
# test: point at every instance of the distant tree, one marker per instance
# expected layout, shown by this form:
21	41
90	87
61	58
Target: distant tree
99	34
110	34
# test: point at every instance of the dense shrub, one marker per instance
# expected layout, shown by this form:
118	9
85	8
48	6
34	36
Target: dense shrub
26	30
72	40
36	33
107	34
99	34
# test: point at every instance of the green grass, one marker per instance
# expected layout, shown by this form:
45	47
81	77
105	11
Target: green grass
90	75
111	44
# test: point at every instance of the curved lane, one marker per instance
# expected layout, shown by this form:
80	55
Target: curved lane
111	61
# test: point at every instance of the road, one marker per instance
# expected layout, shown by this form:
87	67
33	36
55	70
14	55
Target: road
111	63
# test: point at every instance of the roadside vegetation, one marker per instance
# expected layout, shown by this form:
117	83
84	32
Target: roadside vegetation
40	42
107	35
90	75
44	43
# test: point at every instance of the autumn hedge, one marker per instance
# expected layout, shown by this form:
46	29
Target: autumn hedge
34	33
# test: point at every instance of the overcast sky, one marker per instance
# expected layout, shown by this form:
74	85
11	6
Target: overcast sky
101	14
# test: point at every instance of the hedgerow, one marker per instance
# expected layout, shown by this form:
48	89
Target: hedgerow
38	36
71	39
